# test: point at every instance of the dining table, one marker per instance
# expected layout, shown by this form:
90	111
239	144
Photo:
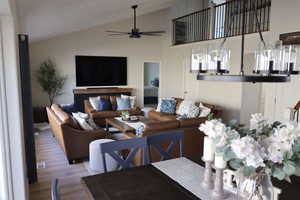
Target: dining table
175	179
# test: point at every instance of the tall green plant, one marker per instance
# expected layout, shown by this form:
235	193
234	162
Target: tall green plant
50	81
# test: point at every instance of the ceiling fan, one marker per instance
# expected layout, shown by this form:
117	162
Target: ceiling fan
135	32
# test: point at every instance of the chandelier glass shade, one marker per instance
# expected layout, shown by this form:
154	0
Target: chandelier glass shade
273	62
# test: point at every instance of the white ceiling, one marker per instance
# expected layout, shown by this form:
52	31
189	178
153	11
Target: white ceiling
42	19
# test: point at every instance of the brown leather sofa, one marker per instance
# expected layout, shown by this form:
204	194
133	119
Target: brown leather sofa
100	116
73	140
162	123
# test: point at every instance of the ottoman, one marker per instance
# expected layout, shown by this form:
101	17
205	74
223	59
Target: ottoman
96	163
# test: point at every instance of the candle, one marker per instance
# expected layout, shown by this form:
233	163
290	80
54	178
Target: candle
208	150
220	163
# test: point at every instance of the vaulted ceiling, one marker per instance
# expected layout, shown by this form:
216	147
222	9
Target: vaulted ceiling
42	19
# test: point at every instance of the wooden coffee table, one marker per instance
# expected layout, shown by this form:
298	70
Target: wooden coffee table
123	127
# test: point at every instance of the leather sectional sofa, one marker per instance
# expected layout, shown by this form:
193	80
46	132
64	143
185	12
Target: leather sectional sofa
100	116
73	140
162	123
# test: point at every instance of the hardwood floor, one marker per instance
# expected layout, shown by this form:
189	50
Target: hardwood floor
57	166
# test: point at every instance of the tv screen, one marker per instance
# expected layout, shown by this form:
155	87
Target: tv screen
101	71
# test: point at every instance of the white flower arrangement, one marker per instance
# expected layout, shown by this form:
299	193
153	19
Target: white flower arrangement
270	148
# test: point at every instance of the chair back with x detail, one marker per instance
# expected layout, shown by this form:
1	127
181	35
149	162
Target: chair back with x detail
155	142
133	145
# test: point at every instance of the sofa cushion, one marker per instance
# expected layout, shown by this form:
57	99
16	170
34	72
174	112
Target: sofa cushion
204	111
193	111
104	104
123	104
94	101
168	106
113	101
131	98
178	102
185	107
191	122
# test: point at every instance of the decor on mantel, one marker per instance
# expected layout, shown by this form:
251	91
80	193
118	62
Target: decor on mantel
274	63
135	32
257	153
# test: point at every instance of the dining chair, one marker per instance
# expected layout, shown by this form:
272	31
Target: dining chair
155	142
115	148
54	190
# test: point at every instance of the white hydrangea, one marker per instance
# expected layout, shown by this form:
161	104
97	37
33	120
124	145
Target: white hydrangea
281	142
250	151
213	128
257	122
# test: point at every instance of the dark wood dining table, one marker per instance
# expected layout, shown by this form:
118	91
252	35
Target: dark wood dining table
139	183
157	182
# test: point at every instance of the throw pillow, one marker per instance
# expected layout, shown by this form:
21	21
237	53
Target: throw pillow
193	111
94	101
185	107
68	108
131	98
168	106
123	104
82	122
204	111
104	104
159	103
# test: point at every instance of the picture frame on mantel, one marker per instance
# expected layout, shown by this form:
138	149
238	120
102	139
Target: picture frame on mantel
290	38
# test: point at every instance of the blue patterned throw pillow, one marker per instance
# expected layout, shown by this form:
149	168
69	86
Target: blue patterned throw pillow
104	104
123	104
168	106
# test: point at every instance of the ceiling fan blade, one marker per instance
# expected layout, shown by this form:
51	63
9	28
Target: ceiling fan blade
117	32
153	32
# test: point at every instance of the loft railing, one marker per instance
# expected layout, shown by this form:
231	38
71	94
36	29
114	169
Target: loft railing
223	20
192	28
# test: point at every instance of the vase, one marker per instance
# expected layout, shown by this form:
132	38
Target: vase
256	187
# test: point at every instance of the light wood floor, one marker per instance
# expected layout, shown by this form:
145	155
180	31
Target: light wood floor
57	166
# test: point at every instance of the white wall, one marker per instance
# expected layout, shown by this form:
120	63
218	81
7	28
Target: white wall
96	42
237	100
151	71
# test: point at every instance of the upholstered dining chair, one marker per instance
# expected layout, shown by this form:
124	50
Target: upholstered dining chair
115	148
54	190
155	141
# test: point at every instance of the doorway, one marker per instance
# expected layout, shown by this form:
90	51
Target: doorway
151	84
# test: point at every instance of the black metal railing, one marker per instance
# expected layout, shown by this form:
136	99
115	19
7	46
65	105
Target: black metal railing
223	20
191	28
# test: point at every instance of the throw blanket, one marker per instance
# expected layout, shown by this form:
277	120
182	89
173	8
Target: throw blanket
138	126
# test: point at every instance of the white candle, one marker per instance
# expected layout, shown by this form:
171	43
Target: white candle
220	163
208	149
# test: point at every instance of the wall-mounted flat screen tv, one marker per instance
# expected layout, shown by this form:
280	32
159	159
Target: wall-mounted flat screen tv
101	71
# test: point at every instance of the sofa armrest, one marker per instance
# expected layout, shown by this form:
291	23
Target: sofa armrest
88	108
192	122
217	113
158	126
76	142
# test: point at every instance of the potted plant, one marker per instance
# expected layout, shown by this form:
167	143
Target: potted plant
50	81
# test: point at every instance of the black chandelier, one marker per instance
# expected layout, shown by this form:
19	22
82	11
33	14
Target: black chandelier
273	64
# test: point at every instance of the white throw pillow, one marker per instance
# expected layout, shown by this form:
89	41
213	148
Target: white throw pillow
82	122
131	98
94	101
159	103
193	111
204	111
185	107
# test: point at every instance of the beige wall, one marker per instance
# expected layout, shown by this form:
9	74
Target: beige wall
96	42
236	99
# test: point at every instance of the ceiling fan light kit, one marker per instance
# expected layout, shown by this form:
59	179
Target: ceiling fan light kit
135	32
273	63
